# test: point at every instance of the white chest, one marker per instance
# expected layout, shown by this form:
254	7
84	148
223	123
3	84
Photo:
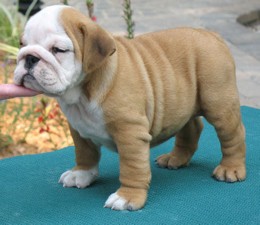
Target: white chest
87	118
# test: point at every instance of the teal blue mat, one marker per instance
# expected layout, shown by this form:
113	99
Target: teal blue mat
30	193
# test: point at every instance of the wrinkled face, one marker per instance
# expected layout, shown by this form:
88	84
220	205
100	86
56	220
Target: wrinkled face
46	61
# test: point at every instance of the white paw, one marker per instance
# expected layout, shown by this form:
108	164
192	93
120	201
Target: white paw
79	178
116	202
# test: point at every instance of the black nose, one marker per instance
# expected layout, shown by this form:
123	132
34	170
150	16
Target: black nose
31	61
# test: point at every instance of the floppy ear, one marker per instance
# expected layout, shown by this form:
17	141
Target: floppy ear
93	45
97	46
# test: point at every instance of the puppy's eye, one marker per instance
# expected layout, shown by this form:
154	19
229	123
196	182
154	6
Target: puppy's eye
56	50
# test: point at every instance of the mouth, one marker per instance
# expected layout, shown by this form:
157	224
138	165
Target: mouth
28	82
27	78
41	79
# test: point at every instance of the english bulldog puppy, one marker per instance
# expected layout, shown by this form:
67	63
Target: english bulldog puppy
129	95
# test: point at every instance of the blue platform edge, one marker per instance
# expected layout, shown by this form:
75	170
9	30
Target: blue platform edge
30	193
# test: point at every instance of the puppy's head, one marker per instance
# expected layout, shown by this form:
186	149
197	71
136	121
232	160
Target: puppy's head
59	48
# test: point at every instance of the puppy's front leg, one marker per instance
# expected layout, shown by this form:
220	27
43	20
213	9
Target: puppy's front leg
87	159
133	145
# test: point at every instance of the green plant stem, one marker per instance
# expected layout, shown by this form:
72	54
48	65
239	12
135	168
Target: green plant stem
28	11
128	14
65	2
90	7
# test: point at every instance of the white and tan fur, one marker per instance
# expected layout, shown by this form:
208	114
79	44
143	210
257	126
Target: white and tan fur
130	95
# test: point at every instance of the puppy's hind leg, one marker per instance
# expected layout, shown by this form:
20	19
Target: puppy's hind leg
186	144
220	106
231	133
219	102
